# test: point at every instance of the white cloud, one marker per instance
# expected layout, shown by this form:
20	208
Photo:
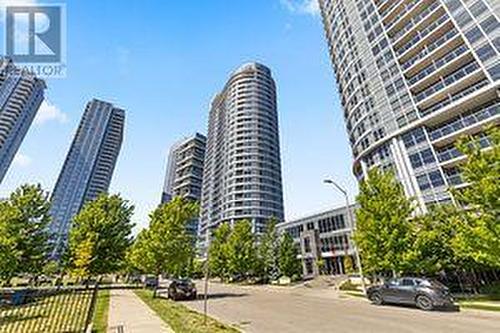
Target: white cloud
49	112
311	7
22	160
308	7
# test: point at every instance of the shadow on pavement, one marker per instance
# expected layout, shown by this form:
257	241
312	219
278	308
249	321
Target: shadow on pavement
164	294
223	295
449	308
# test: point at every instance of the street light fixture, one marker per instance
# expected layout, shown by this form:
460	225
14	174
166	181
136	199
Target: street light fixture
351	227
205	296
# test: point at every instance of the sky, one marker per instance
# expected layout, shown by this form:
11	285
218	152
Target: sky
163	61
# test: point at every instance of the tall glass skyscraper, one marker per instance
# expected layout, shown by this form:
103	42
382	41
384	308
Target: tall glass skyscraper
20	97
242	174
185	168
89	166
413	76
185	172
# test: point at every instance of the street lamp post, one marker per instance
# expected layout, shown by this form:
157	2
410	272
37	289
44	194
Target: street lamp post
351	225
205	296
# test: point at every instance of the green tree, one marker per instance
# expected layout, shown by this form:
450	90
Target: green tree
348	265
10	255
170	247
289	265
478	235
52	268
242	251
84	255
269	252
32	204
432	247
139	255
101	235
218	252
383	234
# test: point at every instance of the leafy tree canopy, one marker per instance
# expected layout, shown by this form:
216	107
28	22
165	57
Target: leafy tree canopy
289	264
383	233
269	252
218	252
166	246
241	249
101	235
32	204
479	223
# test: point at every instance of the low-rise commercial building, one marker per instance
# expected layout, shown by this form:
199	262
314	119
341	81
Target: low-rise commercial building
324	241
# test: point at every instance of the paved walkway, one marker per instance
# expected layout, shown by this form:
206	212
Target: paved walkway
128	314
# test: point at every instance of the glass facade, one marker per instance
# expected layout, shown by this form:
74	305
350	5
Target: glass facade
88	168
185	172
413	77
325	236
242	174
21	95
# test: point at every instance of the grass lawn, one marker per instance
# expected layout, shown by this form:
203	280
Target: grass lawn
100	320
355	294
479	306
65	312
180	318
488	300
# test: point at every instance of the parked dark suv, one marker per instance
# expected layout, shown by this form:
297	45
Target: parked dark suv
181	289
426	294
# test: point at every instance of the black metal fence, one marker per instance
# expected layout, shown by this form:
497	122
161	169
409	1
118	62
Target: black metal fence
47	310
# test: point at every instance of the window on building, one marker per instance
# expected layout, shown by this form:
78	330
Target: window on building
307	245
486	52
414	137
490	24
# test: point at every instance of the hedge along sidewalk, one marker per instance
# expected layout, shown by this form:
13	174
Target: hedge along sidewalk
127	313
180	318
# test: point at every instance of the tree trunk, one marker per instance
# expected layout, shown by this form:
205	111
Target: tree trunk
155	289
475	282
495	275
460	283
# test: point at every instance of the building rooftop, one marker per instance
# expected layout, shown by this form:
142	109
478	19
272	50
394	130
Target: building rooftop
334	210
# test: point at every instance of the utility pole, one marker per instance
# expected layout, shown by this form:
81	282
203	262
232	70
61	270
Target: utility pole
351	228
205	298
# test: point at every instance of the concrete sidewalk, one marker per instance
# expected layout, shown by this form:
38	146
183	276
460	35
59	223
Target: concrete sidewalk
129	314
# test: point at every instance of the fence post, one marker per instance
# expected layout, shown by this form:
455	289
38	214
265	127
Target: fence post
90	313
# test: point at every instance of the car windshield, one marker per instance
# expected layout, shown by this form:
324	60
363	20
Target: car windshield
393	282
431	283
183	281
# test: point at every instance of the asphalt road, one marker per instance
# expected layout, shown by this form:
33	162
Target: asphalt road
278	309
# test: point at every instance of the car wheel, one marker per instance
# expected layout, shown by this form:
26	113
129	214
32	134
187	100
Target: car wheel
376	299
423	302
